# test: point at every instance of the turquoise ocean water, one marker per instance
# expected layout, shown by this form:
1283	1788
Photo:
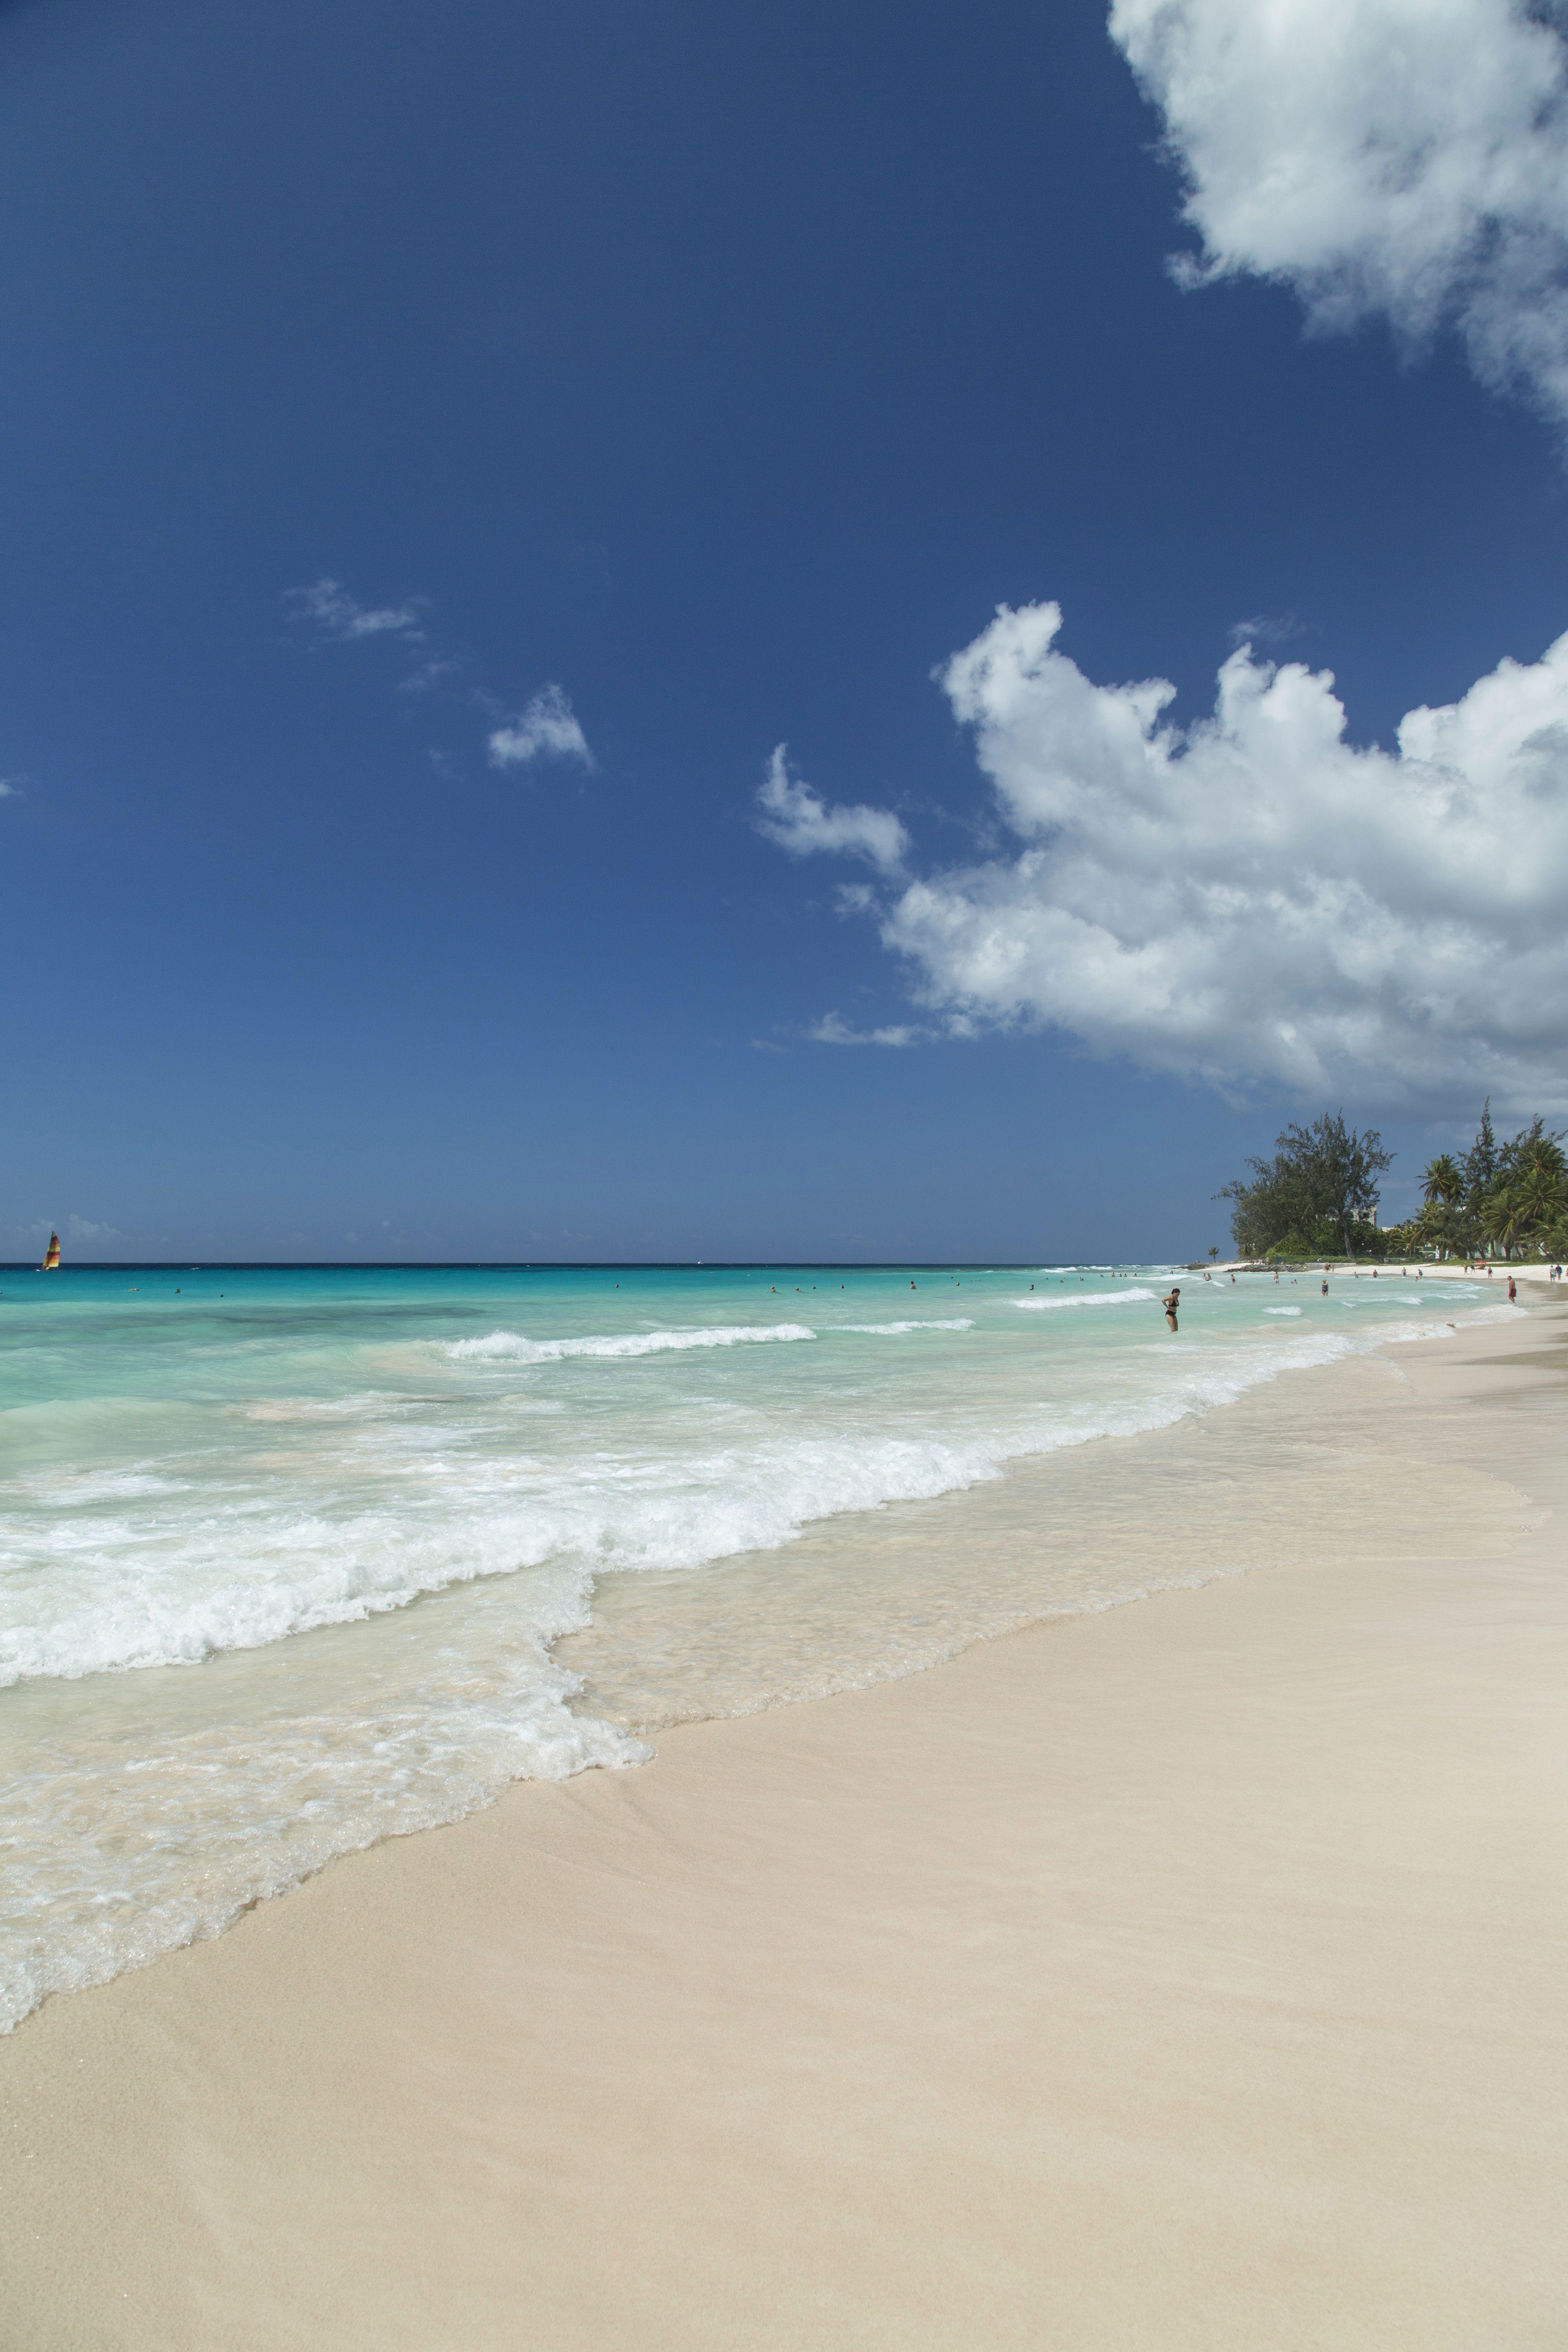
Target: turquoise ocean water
285	1552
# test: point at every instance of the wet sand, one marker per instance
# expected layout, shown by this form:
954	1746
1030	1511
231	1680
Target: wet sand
1189	1974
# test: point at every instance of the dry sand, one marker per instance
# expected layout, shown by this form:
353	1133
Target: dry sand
1191	1975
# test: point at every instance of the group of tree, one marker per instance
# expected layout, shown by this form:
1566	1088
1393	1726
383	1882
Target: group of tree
1507	1198
1318	1197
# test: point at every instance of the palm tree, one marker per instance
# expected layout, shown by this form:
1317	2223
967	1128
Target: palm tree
1541	1195
1502	1218
1429	1224
1543	1154
1442	1182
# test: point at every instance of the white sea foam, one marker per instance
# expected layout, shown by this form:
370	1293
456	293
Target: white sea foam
1282	1310
269	1783
199	1574
175	1588
919	1323
375	1402
1394	1336
1090	1299
74	1489
512	1346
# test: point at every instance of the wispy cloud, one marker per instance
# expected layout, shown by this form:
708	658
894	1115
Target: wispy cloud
802	822
1267	629
11	789
831	1031
1401	158
547	728
338	619
430	675
82	1229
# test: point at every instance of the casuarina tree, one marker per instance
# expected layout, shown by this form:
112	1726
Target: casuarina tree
1319	1189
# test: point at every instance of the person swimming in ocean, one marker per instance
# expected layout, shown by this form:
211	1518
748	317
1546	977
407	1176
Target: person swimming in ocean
1170	1303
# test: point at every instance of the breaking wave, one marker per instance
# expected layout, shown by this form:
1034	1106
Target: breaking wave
1090	1299
512	1346
925	1323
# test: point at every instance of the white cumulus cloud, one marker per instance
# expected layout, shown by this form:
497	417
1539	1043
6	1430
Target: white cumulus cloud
1401	157
547	728
801	821
342	621
1253	898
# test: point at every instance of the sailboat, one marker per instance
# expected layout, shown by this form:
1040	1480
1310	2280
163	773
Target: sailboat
51	1263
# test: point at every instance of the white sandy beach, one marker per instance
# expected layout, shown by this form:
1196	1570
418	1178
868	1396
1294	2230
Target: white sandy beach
1189	1974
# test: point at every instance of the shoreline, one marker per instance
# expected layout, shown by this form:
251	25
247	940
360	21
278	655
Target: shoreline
153	1807
1428	1269
1168	1506
1181	1973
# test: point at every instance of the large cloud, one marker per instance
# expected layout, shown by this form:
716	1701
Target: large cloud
1253	898
1408	157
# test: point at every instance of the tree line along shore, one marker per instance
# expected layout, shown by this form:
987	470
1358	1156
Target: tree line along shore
1504	1201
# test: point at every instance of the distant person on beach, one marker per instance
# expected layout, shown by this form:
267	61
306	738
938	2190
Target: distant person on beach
1170	1305
1325	1285
1512	1293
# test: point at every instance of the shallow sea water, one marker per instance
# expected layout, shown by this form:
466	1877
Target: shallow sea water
292	1559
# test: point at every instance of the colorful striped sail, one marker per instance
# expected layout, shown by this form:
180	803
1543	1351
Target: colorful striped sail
51	1263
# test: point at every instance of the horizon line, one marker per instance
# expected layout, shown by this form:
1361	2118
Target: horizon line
554	1265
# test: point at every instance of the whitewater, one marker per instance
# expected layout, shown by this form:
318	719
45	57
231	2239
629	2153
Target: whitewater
287	1554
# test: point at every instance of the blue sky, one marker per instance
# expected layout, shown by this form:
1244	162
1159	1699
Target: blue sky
715	374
